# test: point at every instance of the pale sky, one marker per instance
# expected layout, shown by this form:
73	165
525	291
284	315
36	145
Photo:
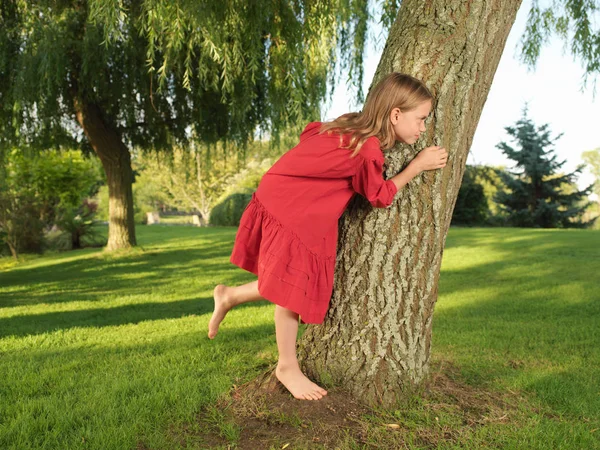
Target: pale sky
552	90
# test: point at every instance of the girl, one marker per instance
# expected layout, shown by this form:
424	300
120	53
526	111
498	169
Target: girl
288	232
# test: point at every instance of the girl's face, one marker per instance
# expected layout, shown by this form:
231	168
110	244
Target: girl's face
409	125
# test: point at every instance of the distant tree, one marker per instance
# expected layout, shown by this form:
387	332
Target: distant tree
592	160
187	180
535	195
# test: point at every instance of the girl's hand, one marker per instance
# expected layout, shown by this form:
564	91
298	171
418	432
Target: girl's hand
431	158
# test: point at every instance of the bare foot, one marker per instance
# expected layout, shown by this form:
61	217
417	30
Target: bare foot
222	305
297	383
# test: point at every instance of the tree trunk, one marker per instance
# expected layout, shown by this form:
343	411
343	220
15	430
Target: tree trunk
376	338
116	161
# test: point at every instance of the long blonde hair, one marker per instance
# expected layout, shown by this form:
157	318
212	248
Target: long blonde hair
396	90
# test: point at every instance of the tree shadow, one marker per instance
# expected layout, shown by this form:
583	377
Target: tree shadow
538	307
92	278
32	324
537	257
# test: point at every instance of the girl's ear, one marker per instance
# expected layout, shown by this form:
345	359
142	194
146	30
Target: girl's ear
395	116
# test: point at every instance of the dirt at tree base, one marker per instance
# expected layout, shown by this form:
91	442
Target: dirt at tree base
262	414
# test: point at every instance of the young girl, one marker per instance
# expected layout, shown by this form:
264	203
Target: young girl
288	232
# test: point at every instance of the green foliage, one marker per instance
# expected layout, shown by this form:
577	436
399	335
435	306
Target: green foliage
573	21
21	228
161	71
536	194
592	160
476	204
78	223
196	180
101	200
489	179
36	188
184	179
247	179
148	196
63	180
593	211
229	211
471	206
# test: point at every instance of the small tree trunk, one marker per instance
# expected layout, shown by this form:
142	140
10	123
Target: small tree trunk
13	250
376	338
116	161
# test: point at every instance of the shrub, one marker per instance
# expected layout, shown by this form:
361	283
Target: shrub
77	223
21	228
35	187
471	204
229	211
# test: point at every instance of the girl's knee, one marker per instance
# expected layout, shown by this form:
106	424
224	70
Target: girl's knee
281	311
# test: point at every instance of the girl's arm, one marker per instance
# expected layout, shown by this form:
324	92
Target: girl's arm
409	172
428	159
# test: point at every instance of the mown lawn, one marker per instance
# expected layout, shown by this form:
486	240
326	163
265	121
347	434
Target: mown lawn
109	351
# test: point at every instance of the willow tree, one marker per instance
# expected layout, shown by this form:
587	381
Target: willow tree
376	337
113	75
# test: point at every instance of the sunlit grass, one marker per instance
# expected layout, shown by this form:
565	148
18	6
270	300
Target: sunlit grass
107	351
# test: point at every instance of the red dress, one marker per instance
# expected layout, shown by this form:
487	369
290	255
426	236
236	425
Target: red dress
288	232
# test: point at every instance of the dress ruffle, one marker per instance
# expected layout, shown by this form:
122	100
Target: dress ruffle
289	273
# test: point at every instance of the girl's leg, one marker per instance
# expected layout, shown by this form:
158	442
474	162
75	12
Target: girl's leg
288	370
226	298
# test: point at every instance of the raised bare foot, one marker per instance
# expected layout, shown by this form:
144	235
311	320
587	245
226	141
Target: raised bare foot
297	383
222	305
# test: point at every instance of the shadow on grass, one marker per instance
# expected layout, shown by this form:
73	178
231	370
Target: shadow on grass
526	257
95	277
31	324
524	239
531	317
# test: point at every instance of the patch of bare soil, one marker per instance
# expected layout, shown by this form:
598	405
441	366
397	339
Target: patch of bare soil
262	414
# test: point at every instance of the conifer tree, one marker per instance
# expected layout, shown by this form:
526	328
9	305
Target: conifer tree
534	197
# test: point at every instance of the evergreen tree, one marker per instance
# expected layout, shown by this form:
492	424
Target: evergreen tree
534	197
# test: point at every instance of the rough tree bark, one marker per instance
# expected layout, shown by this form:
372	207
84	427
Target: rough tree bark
116	161
376	338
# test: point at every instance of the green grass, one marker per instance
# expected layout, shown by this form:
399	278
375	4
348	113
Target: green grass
176	220
109	351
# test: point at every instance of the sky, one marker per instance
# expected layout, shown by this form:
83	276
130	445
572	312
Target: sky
552	90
